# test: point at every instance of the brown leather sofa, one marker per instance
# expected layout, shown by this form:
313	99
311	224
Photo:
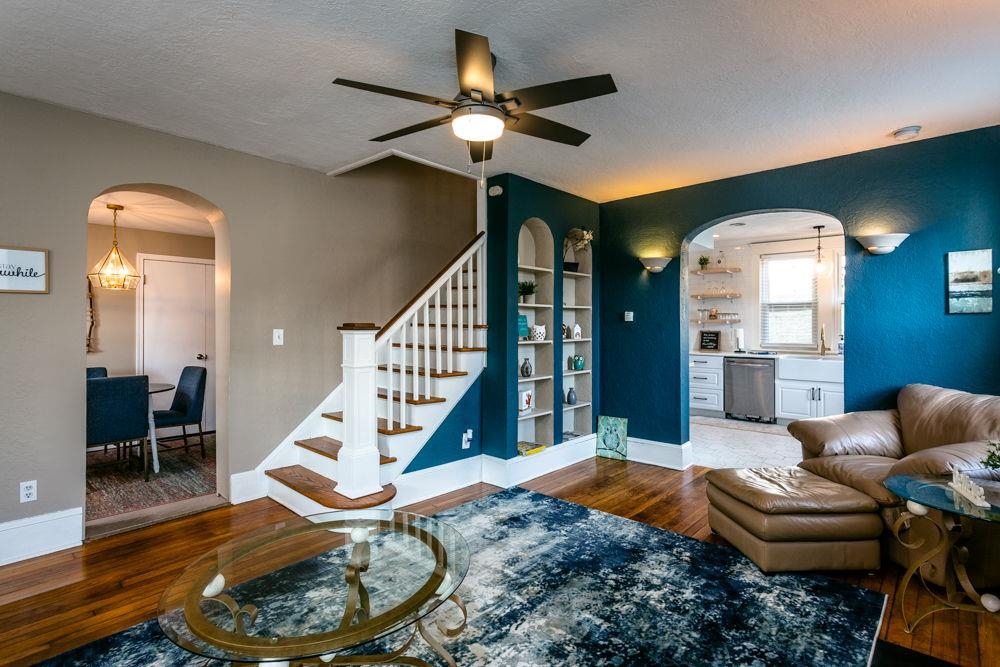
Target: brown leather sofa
930	428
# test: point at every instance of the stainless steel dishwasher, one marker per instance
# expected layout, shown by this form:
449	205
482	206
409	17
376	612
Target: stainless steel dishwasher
749	389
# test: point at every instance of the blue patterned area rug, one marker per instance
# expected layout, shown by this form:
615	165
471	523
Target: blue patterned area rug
556	583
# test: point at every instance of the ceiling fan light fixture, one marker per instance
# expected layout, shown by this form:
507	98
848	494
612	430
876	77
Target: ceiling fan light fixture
477	122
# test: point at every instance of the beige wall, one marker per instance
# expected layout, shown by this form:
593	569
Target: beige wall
114	333
308	252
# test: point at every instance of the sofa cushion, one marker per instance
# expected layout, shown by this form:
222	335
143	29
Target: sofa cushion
860	472
967	456
875	432
930	416
789	491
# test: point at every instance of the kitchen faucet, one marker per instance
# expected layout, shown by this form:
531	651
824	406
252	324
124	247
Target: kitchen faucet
823	347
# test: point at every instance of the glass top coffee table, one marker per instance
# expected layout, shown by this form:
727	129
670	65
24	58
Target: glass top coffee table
351	587
949	535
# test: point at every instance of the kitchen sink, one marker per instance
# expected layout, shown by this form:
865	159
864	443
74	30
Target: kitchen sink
811	368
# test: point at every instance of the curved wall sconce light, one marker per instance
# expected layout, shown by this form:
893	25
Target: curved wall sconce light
655	264
881	244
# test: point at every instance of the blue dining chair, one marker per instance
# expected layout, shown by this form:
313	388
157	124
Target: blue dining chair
187	406
118	412
96	372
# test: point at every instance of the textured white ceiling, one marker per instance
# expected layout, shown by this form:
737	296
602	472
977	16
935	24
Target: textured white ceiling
707	88
150	212
771	226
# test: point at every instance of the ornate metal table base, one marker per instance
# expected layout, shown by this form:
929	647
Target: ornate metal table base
959	593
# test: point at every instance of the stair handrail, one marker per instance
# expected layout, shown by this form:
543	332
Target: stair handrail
431	288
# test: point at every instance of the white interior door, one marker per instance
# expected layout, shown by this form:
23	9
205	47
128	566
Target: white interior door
177	325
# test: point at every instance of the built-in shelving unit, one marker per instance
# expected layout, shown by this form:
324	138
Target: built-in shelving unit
577	310
717	292
535	257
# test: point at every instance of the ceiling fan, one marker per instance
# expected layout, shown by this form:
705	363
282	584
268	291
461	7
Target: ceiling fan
479	114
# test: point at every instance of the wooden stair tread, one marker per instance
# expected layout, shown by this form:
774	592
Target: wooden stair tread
383	426
330	448
433	373
426	400
421	346
320	489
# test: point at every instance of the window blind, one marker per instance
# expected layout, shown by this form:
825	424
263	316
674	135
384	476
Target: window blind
789	308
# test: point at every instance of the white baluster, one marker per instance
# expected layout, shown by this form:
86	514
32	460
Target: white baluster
437	329
414	370
427	350
389	408
458	310
402	373
482	284
470	302
447	326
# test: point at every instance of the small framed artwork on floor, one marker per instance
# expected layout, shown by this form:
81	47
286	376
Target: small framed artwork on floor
612	437
970	281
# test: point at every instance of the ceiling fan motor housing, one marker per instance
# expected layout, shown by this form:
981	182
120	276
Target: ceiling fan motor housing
477	121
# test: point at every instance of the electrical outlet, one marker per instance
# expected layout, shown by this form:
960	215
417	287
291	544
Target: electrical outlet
278	337
29	491
467	439
629	316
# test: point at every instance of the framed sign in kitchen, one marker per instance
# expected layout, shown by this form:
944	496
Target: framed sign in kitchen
24	270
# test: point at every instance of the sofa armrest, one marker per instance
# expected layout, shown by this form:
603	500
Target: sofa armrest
874	432
966	456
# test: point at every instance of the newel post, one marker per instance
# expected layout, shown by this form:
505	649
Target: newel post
358	460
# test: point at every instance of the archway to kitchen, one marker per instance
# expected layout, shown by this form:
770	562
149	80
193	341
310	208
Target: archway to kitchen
159	231
762	304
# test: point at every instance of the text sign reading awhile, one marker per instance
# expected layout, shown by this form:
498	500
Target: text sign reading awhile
24	270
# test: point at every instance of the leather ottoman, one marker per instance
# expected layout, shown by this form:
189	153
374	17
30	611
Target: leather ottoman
788	519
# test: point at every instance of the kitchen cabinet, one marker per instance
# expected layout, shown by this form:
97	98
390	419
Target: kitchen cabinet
799	399
705	379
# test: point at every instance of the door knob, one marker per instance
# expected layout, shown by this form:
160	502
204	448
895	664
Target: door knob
201	356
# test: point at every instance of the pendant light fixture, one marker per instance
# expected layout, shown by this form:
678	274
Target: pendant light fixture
114	271
822	266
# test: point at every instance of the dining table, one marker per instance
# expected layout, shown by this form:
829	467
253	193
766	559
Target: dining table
156	388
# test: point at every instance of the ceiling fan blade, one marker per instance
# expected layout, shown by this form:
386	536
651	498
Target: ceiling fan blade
393	92
559	92
426	125
543	128
480	151
475	64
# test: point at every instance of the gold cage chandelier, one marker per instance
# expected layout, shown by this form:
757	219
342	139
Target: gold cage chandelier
114	271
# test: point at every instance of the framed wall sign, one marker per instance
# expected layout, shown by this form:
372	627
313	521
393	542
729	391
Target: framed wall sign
24	270
709	340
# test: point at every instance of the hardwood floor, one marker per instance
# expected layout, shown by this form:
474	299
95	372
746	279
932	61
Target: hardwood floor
54	603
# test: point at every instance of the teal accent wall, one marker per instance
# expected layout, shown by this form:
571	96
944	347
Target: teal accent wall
523	199
445	446
945	192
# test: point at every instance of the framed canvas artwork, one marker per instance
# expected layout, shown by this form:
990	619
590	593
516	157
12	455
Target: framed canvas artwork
970	281
24	270
612	435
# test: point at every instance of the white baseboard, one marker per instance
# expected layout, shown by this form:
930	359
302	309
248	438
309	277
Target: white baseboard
429	482
247	486
510	472
40	535
663	454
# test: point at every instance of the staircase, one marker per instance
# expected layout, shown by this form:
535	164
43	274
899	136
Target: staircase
400	382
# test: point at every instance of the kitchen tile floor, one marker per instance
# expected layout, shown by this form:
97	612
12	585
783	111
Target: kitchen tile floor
728	443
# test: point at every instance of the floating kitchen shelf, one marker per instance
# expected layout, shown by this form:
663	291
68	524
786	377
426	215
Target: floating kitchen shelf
534	305
534	378
534	414
575	274
729	295
722	269
534	342
576	406
533	269
717	321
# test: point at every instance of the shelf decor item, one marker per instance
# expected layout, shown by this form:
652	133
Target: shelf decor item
612	437
970	281
577	240
565	331
24	270
577	332
523	333
526	401
526	291
578	362
703	261
538	332
571	396
526	368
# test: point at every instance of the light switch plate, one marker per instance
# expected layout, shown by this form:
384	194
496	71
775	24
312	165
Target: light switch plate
629	316
278	337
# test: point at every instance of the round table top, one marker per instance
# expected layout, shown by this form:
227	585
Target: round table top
160	387
933	491
293	590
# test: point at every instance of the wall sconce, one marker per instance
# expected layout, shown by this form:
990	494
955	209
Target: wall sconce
655	264
881	244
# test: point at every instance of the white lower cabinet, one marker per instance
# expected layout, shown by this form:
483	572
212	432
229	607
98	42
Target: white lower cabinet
797	399
706	382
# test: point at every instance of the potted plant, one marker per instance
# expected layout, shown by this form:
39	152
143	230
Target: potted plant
577	240
703	261
526	291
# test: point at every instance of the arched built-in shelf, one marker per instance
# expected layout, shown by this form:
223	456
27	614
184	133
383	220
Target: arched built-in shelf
577	309
535	257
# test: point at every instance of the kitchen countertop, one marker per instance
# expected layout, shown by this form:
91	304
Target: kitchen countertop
712	353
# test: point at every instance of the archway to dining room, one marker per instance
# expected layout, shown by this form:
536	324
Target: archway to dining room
157	350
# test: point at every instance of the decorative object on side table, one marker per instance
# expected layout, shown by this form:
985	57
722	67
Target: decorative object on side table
970	281
571	396
612	437
526	368
577	240
577	332
538	332
526	291
24	270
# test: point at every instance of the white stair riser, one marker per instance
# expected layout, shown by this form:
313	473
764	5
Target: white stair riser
324	465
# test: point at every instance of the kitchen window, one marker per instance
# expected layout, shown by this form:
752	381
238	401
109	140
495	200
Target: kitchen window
789	307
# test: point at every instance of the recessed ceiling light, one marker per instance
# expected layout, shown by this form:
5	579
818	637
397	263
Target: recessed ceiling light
906	133
715	236
737	224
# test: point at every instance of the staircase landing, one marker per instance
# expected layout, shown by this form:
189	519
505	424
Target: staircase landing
320	489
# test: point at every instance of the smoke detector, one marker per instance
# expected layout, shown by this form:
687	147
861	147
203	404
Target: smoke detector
906	133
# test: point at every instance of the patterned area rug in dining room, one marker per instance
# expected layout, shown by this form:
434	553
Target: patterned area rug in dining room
556	583
115	487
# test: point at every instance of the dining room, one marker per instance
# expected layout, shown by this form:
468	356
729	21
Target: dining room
151	446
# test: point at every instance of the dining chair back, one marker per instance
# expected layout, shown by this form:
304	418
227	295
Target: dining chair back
188	405
118	411
96	372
